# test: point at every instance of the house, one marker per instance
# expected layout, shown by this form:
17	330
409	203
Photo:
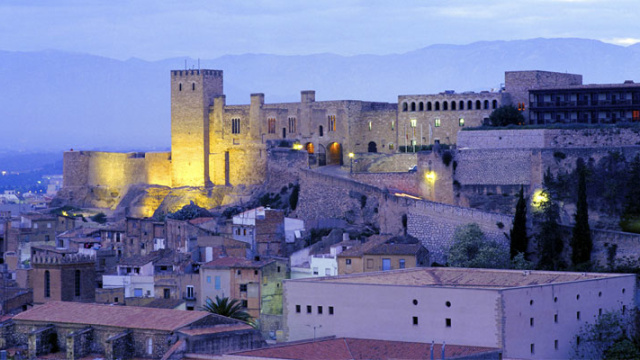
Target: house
266	230
39	229
383	253
177	277
124	332
527	314
354	348
256	283
135	274
143	236
183	235
63	278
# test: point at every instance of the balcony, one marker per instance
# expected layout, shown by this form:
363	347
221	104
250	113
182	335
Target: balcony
189	295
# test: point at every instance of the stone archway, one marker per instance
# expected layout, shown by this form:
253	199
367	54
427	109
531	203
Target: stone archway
321	155
334	154
372	147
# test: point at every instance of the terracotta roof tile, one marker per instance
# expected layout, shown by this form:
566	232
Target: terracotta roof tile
130	317
229	262
350	348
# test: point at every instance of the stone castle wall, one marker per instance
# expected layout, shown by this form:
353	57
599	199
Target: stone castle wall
382	162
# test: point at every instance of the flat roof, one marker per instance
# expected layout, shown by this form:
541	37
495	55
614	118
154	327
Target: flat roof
128	317
463	277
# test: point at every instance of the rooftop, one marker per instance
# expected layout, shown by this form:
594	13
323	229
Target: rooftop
229	262
463	277
130	317
349	348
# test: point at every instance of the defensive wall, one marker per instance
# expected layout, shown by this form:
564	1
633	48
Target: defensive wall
325	196
406	182
381	163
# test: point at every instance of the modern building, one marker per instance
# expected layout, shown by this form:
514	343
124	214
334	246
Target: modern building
527	314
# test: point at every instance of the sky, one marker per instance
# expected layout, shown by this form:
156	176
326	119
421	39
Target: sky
158	29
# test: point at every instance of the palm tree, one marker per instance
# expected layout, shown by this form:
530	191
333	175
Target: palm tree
225	307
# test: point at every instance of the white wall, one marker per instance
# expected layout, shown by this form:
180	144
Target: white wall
207	289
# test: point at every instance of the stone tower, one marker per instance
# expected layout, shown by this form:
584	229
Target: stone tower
192	93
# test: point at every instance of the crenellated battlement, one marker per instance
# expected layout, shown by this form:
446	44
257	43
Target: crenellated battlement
196	72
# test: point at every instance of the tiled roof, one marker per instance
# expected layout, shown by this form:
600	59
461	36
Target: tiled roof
139	260
130	317
349	348
229	262
394	249
462	277
359	250
79	232
216	329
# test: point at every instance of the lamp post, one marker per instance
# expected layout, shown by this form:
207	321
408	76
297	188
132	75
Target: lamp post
314	330
351	158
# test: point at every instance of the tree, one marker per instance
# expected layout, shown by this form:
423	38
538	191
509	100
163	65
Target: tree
100	218
225	307
471	249
609	337
506	115
293	198
189	212
518	234
581	243
549	235
630	220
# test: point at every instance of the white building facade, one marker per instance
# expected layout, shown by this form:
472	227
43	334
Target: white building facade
528	314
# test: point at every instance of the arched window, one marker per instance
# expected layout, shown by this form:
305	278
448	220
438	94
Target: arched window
478	105
444	106
77	279
469	105
413	106
429	106
47	284
461	105
486	104
404	106
372	148
420	106
437	106
453	105
495	104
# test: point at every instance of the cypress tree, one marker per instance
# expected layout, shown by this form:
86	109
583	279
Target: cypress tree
630	220
518	233
581	243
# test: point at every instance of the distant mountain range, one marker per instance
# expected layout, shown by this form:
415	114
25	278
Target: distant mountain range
52	100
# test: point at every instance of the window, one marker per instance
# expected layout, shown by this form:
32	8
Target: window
370	125
308	309
48	225
531	322
217	282
166	293
348	261
461	122
578	315
401	264
415	320
292	125
47	284
413	106
278	269
461	105
555	318
46	238
404	107
137	292
208	279
239	272
320	133
235	126
244	303
331	123
599	311
77	280
255	272
555	344
315	271
319	310
436	106
393	125
369	263
330	310
437	123
420	106
533	348
115	299
243	287
447	322
180	87
271	125
414	122
35	225
486	104
444	106
193	86
298	309
190	292
327	271
149	340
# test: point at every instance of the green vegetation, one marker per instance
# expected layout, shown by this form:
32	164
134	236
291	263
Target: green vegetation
549	236
630	219
518	235
225	307
188	212
611	336
471	249
100	218
506	115
581	243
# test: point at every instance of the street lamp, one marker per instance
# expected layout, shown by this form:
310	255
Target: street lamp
351	158
314	330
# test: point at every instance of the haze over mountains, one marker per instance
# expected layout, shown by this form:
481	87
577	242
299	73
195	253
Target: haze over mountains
53	100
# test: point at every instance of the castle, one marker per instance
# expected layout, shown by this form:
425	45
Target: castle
213	143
